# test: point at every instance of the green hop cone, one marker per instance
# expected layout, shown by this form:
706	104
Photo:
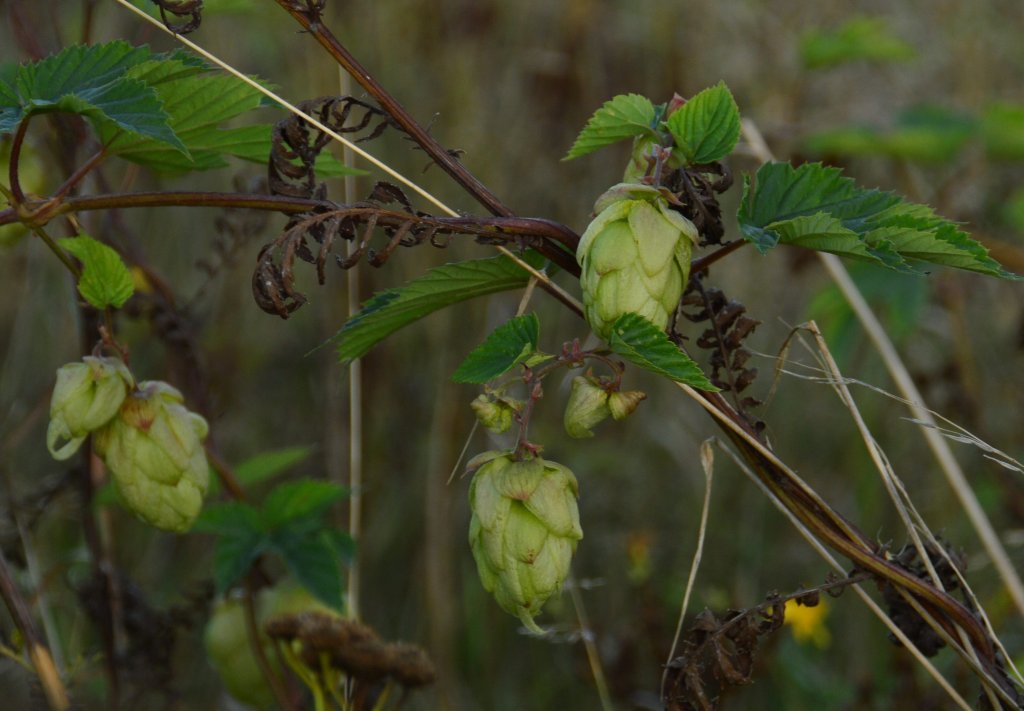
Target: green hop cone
622	404
634	257
154	450
86	397
587	406
524	529
495	412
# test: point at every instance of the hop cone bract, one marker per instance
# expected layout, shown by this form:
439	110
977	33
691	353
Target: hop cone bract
635	257
524	529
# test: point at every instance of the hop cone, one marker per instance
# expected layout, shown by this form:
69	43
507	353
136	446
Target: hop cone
524	529
635	258
86	397
154	450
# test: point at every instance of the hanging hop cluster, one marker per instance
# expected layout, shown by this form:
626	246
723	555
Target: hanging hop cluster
634	257
151	444
524	529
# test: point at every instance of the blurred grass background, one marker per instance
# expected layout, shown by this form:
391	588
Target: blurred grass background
510	84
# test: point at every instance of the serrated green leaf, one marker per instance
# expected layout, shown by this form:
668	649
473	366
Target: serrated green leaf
302	499
231	518
642	343
92	81
707	127
508	345
196	105
313	560
625	116
105	280
861	38
388	311
234	554
816	207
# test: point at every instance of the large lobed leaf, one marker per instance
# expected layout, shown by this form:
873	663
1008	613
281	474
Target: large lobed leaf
93	81
388	311
622	117
816	207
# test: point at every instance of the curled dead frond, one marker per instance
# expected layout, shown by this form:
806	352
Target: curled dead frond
696	187
180	16
719	652
352	648
295	143
386	214
727	328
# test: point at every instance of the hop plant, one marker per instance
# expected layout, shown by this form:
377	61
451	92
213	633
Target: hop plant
524	529
86	397
635	257
153	449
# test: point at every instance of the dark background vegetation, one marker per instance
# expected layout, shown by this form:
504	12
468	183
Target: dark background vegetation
510	84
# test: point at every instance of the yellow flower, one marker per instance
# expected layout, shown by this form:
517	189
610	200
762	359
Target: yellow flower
808	623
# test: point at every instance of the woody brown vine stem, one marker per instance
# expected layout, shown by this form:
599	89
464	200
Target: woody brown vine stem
308	15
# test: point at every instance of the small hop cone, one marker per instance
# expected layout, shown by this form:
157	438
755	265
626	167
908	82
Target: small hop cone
524	529
154	451
495	413
86	397
634	258
587	407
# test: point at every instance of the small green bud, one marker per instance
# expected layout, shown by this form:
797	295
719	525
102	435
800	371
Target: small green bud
495	412
634	257
588	406
622	404
154	452
524	529
86	397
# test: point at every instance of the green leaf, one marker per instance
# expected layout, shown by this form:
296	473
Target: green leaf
92	81
707	127
388	311
105	280
814	206
861	38
622	117
234	554
265	465
305	498
642	343
313	560
231	518
508	345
